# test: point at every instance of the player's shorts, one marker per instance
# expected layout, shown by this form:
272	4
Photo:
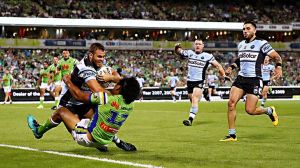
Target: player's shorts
7	89
45	86
212	86
251	85
79	134
64	88
173	89
194	84
54	85
267	83
80	110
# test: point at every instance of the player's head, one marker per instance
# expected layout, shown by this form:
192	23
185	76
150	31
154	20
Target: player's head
266	61
66	54
199	45
55	59
129	88
97	54
45	64
6	71
249	30
172	74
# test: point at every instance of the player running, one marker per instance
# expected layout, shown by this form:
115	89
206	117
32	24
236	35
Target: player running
55	78
267	76
251	54
198	62
173	80
7	83
43	83
211	82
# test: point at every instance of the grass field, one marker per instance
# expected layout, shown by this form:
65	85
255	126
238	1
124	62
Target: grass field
162	140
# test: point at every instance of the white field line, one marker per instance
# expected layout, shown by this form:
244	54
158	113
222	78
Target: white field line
147	101
82	156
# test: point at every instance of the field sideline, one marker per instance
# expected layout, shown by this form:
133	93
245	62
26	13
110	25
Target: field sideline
162	140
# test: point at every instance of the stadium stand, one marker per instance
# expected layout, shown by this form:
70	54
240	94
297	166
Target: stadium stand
154	65
266	11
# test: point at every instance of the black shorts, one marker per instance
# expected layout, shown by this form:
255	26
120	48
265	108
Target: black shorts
266	83
212	86
173	88
251	85
80	110
192	84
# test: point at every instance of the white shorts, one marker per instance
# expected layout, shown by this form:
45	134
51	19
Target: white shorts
80	134
54	85
45	86
57	83
64	88
7	89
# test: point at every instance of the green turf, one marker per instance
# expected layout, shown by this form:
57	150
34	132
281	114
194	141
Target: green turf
162	140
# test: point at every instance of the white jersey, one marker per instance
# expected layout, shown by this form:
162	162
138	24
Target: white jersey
82	73
197	64
251	56
141	81
211	80
173	81
266	71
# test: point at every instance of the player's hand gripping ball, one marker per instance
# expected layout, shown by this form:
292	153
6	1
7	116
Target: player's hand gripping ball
104	75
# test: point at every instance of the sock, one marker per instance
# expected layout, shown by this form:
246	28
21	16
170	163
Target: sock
42	100
269	111
116	139
47	126
56	101
263	100
193	112
174	98
232	132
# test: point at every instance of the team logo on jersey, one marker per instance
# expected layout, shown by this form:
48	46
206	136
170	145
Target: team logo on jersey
247	55
202	57
65	67
252	46
115	104
196	63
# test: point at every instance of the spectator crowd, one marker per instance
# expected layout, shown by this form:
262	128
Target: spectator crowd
261	11
153	65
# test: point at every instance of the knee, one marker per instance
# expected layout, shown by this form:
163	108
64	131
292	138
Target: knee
231	104
195	99
56	116
250	110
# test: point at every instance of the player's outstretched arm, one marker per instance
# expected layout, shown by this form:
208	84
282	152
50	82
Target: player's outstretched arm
221	70
75	91
278	67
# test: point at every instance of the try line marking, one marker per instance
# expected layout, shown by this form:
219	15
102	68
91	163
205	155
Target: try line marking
81	156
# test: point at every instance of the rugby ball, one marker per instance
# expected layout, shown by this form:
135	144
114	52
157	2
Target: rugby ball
103	71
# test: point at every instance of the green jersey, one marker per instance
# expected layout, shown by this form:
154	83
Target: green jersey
111	114
57	77
7	80
44	74
67	66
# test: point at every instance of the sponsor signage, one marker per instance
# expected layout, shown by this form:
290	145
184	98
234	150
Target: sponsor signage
66	43
154	93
